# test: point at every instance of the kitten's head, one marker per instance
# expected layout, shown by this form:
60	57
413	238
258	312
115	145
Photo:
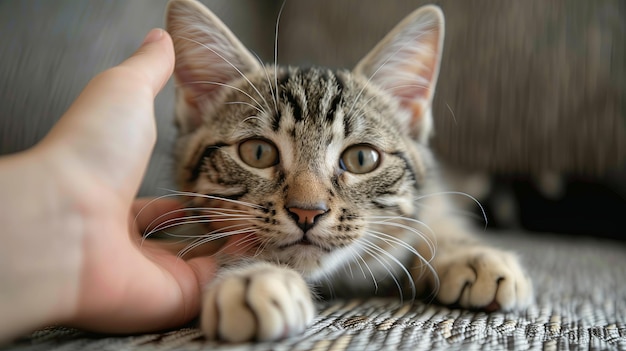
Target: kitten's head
303	162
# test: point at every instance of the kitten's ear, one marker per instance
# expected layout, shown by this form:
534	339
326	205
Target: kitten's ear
406	64
208	56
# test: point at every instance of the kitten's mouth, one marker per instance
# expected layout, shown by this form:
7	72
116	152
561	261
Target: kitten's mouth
304	241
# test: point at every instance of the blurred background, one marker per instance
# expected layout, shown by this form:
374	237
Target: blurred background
530	112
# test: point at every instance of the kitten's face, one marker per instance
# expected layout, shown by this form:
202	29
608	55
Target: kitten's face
301	162
310	153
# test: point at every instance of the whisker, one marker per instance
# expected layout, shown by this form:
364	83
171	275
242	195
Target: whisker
212	237
147	232
227	86
152	228
143	208
328	279
356	255
390	239
218	210
360	257
261	248
269	84
245	120
197	220
452	112
389	219
179	221
248	241
347	269
482	209
456	211
280	12
430	242
225	212
219	233
244	244
365	105
208	211
211	197
374	251
273	91
244	103
250	119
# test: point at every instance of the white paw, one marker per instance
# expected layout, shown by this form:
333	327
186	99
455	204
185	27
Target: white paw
257	302
481	277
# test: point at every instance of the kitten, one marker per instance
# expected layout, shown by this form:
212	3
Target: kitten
318	176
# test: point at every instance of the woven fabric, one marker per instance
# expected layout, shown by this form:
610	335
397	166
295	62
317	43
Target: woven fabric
580	304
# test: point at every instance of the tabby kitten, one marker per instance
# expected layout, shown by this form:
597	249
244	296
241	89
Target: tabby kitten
316	176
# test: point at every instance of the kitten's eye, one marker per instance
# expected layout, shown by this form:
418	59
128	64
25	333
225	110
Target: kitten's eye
360	159
258	153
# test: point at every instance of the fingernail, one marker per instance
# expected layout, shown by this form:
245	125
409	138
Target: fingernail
154	35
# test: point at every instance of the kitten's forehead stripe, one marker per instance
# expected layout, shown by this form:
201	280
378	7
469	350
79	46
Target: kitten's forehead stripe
332	110
347	126
276	117
312	93
289	97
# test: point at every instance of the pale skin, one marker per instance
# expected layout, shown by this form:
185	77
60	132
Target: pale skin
70	248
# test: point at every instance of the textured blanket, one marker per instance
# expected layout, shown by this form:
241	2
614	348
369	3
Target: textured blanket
580	287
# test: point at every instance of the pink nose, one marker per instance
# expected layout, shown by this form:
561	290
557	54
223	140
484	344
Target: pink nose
305	218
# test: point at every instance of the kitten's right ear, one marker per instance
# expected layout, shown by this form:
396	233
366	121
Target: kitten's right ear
208	56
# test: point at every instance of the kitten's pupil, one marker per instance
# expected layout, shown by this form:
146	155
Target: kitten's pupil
259	152
361	158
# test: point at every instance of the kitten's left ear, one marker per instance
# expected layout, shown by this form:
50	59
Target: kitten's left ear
208	57
406	64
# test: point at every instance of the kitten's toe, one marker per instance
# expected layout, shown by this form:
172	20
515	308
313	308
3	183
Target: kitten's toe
482	278
259	302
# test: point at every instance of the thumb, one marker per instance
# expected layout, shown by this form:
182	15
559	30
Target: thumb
154	59
110	128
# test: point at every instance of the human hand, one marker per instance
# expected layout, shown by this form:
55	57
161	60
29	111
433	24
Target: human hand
70	251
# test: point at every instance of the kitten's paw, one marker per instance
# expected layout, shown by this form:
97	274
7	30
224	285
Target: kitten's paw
257	302
481	277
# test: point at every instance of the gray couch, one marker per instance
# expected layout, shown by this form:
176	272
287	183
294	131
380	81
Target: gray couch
50	49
